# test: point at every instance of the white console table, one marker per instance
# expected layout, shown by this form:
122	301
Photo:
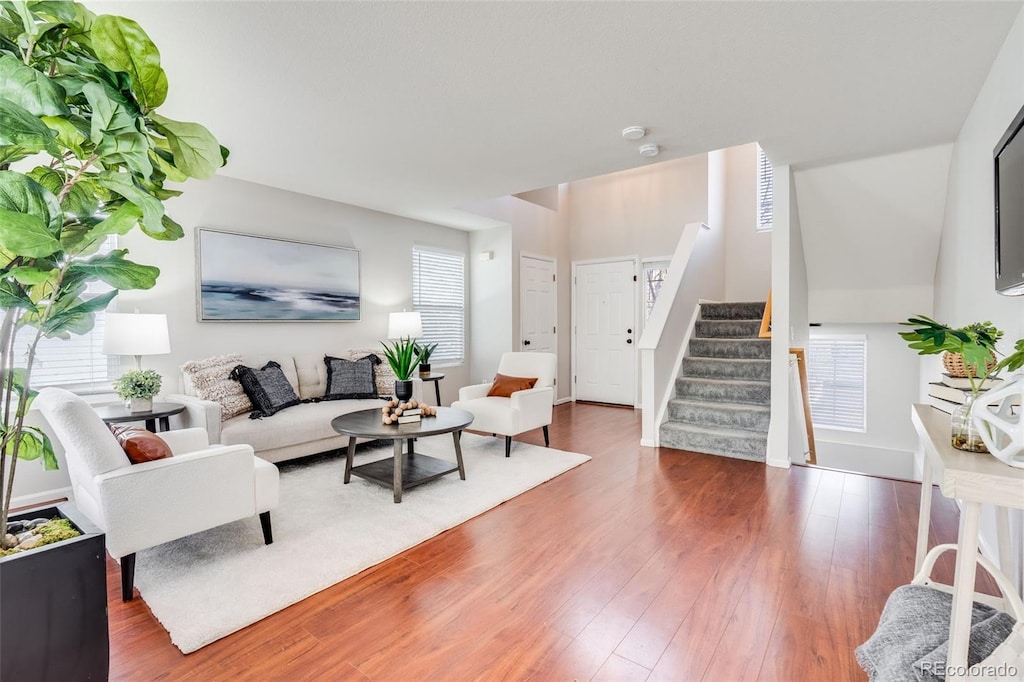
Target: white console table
974	479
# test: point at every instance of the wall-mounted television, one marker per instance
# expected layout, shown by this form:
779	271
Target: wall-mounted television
1009	185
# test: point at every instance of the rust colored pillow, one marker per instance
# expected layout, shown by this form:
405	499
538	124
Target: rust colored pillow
504	386
139	444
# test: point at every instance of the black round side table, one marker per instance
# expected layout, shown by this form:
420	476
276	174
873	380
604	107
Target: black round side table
118	414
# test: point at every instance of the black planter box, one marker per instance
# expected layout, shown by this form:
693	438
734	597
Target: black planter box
53	606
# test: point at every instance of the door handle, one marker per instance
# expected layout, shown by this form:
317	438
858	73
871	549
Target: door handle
526	342
629	340
629	331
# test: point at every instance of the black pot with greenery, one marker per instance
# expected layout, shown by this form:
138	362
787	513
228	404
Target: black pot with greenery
53	625
402	359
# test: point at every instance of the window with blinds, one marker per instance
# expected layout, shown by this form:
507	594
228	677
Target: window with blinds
75	363
765	191
439	295
837	381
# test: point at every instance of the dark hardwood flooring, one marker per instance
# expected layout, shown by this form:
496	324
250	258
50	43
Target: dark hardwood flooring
642	564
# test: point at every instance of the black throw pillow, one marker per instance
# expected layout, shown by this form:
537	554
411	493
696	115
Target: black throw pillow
348	379
267	387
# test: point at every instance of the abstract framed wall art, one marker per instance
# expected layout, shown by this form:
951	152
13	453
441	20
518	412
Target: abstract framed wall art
248	278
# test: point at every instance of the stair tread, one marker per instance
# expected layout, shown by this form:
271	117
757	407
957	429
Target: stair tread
736	360
724	381
715	430
712	404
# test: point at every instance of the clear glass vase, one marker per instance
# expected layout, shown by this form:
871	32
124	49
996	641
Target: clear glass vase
964	434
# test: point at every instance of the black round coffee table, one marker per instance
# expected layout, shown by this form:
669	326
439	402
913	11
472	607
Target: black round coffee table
407	468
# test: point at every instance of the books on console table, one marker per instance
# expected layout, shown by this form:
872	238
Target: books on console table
408	418
965	383
948	393
946	397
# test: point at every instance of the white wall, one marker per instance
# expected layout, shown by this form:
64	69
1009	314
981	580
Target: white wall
887	447
490	299
641	211
385	259
964	280
779	427
789	316
536	230
871	231
748	262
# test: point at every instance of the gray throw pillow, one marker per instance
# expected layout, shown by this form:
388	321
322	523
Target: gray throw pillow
267	387
350	379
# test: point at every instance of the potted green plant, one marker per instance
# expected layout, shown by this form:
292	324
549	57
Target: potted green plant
975	344
137	387
402	358
423	353
83	155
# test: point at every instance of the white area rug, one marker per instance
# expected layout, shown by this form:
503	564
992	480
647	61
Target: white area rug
211	584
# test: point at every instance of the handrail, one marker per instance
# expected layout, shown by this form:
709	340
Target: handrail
766	319
801	362
664	340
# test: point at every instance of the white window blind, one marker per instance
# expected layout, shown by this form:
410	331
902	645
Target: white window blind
77	362
765	191
837	381
439	295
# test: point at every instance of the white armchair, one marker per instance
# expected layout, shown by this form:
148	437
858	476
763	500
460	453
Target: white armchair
143	505
524	410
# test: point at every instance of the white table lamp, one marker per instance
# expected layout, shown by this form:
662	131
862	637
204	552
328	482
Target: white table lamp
135	334
405	325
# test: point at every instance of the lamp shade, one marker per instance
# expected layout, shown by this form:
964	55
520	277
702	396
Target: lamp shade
135	334
405	325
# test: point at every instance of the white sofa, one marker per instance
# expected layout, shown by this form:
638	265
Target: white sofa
295	431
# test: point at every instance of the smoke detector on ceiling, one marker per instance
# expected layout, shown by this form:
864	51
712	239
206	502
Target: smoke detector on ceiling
633	132
649	150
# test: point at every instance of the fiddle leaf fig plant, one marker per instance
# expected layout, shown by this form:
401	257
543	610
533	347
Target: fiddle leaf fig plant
83	155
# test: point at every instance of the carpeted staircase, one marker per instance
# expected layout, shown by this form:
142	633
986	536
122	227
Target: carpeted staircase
722	394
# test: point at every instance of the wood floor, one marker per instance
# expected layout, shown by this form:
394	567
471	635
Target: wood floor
642	564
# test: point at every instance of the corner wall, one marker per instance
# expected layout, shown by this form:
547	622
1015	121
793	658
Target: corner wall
964	280
748	264
536	229
637	212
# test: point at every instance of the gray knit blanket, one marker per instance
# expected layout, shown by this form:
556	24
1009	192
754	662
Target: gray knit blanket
912	638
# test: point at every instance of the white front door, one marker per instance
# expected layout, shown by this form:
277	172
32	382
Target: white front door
537	304
605	307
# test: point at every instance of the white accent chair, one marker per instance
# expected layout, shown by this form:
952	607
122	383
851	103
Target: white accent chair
524	410
143	505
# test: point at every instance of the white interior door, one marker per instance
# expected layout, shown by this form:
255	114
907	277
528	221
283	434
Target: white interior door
605	308
537	304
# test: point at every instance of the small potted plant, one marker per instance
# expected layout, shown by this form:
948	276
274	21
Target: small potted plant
975	344
402	358
137	388
423	352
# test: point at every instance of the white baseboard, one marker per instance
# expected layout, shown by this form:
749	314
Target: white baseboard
780	463
563	401
648	443
37	499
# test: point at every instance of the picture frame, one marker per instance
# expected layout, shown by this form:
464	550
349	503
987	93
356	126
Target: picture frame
253	278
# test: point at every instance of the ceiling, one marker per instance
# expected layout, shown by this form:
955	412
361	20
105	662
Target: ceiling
418	108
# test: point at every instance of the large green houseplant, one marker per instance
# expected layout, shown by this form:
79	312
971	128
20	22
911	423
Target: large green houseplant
83	155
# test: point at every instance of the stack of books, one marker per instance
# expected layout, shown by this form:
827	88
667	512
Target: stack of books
410	416
945	395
